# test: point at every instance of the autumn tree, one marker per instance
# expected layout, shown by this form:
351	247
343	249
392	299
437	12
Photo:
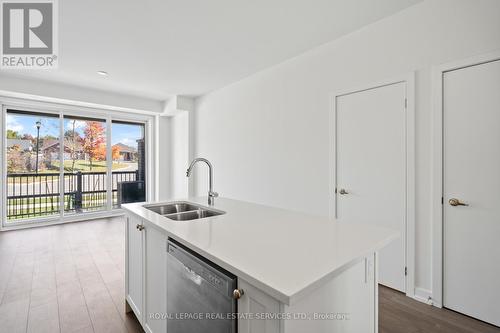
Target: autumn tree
16	161
27	136
115	153
100	154
94	141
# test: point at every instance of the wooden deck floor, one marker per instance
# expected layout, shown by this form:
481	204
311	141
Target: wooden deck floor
70	278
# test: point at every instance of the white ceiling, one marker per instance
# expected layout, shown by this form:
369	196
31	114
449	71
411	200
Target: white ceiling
158	48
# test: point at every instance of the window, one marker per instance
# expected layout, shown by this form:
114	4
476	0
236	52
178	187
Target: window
85	164
129	162
59	164
32	168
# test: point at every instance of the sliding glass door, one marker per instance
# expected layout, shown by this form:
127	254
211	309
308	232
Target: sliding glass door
85	165
61	165
129	162
32	179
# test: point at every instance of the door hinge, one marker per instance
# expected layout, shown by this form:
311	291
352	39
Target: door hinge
406	271
335	190
442	200
406	103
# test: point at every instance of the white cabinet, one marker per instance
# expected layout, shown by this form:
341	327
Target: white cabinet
134	266
345	304
146	275
155	287
256	302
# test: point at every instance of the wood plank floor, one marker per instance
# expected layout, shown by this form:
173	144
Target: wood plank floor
70	278
398	313
64	278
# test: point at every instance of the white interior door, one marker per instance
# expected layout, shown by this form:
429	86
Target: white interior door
471	106
371	168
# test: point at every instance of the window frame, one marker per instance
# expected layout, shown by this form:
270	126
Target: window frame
148	119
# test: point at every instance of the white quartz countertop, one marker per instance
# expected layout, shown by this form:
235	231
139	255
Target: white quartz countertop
284	253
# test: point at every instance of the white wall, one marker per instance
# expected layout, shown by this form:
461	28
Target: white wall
16	86
165	145
179	133
267	135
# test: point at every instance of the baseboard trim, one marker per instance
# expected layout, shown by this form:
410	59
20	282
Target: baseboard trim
424	296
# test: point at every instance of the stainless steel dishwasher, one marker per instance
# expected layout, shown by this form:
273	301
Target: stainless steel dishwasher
199	294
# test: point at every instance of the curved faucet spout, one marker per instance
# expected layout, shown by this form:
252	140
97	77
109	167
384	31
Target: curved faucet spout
211	193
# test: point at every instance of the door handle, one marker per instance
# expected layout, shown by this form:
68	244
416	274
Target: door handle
343	191
456	202
237	293
139	227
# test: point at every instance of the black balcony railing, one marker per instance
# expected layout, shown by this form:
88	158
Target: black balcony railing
31	195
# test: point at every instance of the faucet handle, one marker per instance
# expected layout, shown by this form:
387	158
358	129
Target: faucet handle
213	194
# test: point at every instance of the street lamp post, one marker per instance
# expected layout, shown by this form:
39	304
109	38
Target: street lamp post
38	125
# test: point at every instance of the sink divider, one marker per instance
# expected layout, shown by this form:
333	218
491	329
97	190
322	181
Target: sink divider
185	212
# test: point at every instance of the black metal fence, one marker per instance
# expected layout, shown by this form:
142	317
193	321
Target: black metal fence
32	195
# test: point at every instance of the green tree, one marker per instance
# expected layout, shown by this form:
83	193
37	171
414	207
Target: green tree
12	134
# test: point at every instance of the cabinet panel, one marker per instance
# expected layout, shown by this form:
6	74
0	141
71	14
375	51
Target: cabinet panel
156	280
134	262
345	304
255	302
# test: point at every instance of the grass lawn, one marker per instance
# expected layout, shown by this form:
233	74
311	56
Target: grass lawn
84	166
80	165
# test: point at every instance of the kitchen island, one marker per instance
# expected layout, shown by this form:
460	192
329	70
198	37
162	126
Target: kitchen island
297	272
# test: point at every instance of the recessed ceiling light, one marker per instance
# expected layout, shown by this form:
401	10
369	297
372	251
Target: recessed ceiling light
102	73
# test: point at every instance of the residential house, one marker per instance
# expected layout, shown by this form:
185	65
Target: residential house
24	145
72	150
127	153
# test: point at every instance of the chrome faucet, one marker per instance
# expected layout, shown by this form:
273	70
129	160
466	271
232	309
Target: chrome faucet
211	194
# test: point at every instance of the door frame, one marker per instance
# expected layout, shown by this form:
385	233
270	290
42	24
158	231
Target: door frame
438	166
409	223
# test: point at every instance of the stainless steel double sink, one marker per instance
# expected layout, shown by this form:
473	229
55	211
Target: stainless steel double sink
183	211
